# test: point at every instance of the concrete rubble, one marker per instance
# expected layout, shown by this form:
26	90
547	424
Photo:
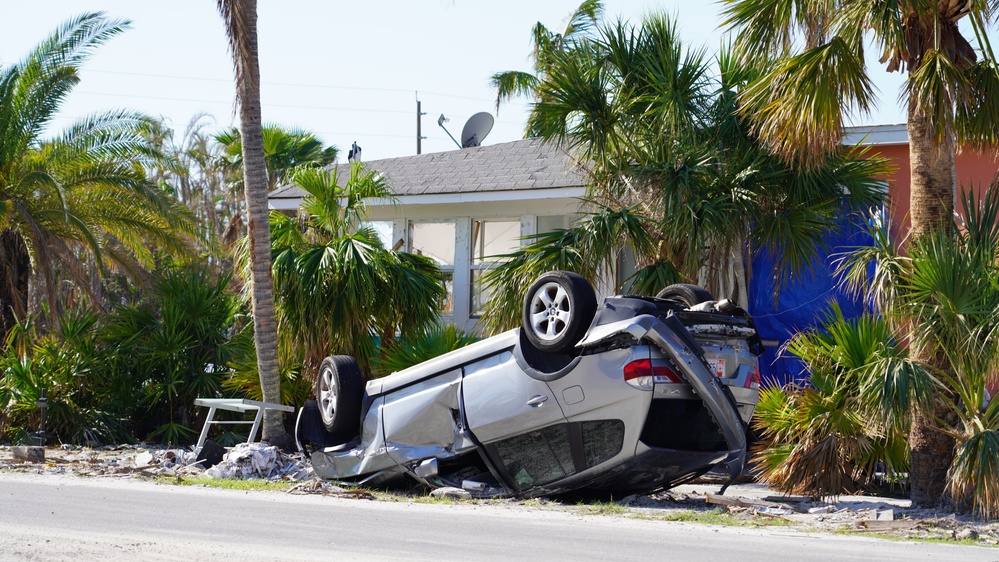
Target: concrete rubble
803	510
29	453
451	493
253	460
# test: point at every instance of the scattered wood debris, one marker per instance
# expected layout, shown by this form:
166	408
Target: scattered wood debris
327	489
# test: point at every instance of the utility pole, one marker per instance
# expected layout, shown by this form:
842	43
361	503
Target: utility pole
419	114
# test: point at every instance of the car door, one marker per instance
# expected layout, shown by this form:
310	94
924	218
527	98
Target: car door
501	401
519	421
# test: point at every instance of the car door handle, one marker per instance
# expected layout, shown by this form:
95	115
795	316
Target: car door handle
537	400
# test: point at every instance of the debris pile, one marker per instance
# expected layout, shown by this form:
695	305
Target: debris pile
802	510
254	460
258	460
325	488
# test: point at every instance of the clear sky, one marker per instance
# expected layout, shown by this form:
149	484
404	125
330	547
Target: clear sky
348	71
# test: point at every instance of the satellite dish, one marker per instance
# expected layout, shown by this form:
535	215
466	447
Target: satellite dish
476	129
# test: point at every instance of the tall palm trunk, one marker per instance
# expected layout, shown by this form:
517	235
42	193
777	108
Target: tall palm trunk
931	164
16	270
240	17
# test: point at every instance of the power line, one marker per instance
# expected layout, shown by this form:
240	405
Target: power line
73	118
294	85
162	98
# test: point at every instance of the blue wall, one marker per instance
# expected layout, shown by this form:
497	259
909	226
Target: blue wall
802	304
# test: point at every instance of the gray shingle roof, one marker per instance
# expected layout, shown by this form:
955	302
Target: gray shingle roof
518	165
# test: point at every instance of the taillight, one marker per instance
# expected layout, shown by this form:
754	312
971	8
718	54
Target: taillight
642	374
753	380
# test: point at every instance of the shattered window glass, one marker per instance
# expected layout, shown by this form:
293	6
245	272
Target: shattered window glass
601	440
538	457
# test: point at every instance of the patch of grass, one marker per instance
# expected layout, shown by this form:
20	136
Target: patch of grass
986	542
601	508
423	496
229	483
713	517
536	502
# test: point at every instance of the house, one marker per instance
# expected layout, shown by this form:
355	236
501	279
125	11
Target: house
460	207
465	205
805	303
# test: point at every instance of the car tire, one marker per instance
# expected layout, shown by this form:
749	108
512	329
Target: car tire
558	309
339	391
686	293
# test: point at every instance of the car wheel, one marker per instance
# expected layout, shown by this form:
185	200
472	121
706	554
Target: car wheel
689	295
339	390
558	309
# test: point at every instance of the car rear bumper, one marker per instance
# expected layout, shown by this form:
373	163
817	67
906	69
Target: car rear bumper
671	336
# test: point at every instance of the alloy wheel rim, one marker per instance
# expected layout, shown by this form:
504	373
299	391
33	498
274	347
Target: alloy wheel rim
550	311
327	394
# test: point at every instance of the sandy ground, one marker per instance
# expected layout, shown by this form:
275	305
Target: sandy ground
748	503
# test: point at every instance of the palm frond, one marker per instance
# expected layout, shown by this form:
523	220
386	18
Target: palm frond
433	341
512	83
814	90
583	19
976	114
935	86
973	478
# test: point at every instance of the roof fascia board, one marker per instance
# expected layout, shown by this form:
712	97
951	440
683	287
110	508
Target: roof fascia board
876	135
292	203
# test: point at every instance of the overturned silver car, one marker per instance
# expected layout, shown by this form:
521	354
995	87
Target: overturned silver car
636	394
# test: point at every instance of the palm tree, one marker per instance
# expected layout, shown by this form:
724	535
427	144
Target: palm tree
512	83
337	286
673	171
176	345
240	18
78	204
196	172
832	435
949	280
284	149
799	107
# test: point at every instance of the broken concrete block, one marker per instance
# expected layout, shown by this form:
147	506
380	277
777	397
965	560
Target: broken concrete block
143	459
29	453
884	515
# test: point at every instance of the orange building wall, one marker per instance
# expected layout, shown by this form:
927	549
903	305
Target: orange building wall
973	169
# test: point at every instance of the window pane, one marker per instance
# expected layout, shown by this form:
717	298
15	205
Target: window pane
480	296
434	240
383	229
493	238
448	308
548	223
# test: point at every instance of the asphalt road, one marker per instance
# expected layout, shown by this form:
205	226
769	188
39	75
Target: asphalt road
60	518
